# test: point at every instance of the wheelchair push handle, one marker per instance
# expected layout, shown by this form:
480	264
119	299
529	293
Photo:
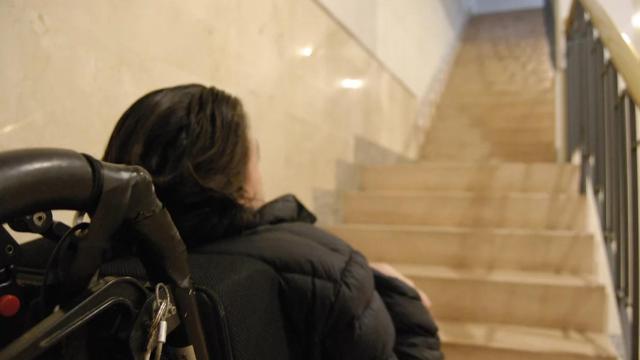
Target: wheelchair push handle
32	180
114	195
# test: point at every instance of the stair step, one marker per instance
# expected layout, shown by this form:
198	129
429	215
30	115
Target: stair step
465	97
470	90
552	251
504	177
449	120
495	143
496	136
500	249
461	149
512	297
462	341
464	209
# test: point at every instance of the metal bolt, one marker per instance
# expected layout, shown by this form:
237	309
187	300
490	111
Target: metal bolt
9	250
39	219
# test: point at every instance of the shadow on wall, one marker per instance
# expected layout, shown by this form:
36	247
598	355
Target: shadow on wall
453	9
328	203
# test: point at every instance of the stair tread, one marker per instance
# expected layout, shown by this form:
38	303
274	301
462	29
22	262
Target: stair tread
472	177
537	210
462	194
527	339
471	164
498	275
473	247
460	229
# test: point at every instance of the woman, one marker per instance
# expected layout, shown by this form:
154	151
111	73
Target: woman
194	141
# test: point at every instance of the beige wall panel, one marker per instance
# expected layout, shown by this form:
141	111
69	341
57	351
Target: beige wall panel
69	68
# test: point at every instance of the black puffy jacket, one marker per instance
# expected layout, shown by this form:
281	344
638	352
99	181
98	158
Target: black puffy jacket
334	305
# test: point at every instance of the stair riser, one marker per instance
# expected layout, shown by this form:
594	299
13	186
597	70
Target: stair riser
499	124
503	178
529	304
527	212
512	102
468	151
480	250
458	121
497	138
466	352
462	78
467	90
468	97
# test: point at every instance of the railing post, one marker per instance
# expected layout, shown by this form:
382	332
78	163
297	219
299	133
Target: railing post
634	233
598	129
610	99
621	209
601	123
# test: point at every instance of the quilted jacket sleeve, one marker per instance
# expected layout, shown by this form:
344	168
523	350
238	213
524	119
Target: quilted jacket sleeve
416	332
359	325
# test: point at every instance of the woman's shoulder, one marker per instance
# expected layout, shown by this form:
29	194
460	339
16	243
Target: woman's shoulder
287	240
329	287
293	248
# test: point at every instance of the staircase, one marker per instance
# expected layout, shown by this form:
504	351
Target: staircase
486	223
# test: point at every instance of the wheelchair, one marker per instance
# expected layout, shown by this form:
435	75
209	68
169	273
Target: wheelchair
66	296
121	285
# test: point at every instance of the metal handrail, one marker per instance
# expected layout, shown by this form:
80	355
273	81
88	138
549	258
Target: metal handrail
602	128
623	55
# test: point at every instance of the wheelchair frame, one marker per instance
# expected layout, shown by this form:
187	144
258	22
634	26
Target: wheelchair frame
38	180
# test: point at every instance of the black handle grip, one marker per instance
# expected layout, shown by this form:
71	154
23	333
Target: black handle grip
39	179
44	179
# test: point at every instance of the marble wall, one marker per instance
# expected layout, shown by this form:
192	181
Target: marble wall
415	39
69	68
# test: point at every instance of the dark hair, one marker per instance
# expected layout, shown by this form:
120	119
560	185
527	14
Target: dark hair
194	142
